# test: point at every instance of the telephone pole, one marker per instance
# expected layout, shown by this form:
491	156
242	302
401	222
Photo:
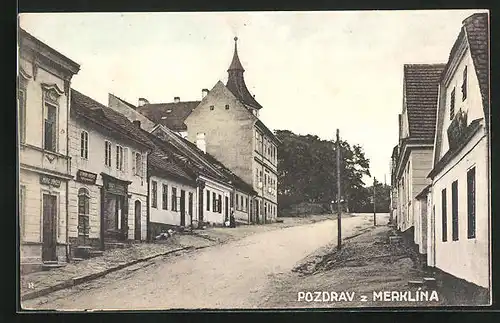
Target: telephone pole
374	212
339	210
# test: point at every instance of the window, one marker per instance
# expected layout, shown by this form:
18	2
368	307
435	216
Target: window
241	202
137	165
227	106
256	175
220	204
84	144
119	157
50	127
164	197
22	210
452	104
246	203
444	220
83	212
154	197
214	202
464	84
107	153
22	114
454	210
471	203
212	108
174	199
208	200
190	203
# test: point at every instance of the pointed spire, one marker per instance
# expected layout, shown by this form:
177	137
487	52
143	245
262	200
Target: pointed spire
236	64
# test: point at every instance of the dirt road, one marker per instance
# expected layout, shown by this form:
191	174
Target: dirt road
232	275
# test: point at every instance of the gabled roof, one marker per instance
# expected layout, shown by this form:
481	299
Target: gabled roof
475	29
88	107
236	81
202	163
421	84
171	115
130	105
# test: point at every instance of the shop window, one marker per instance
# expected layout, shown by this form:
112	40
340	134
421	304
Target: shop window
83	212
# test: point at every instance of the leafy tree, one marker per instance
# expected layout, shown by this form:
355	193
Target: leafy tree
307	171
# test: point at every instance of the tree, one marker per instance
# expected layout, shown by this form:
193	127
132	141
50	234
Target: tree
307	170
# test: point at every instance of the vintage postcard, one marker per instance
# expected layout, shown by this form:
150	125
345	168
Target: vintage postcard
254	160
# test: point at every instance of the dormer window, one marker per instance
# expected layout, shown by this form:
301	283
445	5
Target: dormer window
464	84
452	104
227	106
212	108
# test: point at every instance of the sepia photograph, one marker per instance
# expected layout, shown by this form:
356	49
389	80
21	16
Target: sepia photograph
253	160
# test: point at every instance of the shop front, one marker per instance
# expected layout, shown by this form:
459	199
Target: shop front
114	209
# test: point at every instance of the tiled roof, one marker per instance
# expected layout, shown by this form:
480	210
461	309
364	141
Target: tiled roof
421	94
477	30
90	108
161	158
236	82
171	115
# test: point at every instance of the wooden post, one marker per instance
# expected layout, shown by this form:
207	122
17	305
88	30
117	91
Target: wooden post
374	211
339	210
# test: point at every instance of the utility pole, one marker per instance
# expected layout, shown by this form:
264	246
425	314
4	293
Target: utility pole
339	210
374	212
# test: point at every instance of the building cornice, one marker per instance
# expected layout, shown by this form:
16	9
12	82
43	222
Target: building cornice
406	147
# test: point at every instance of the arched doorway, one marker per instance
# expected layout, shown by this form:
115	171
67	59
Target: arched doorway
137	222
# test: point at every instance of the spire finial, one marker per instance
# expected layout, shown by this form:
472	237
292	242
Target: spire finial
235	39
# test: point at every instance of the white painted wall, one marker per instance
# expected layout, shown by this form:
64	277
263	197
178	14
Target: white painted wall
211	216
95	164
159	215
466	258
473	105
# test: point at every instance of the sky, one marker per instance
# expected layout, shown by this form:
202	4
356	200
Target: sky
312	72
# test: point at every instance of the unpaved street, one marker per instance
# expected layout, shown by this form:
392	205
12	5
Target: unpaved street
232	275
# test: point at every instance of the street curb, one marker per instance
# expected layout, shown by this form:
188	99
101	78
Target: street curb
82	279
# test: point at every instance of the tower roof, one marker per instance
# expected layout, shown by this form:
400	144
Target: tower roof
236	82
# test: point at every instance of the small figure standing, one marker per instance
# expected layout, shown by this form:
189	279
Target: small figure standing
232	220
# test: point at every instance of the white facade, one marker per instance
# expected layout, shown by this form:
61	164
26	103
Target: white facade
165	211
461	225
217	214
43	106
133	171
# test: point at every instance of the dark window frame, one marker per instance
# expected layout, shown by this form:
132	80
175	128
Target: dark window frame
471	203
174	199
84	144
208	200
454	211
50	127
452	104
464	84
154	194
444	216
164	195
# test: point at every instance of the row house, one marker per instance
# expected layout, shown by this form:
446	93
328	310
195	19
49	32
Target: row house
108	195
218	191
459	216
416	137
227	120
44	79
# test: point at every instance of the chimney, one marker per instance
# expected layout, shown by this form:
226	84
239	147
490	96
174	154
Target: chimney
200	142
177	99
142	101
137	123
204	93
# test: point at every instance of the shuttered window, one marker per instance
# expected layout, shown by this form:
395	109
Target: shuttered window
471	203
454	210
444	220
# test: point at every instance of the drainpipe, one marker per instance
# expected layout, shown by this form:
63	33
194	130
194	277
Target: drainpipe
68	100
148	224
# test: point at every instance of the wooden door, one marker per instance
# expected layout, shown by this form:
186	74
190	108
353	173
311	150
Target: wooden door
49	228
183	207
137	222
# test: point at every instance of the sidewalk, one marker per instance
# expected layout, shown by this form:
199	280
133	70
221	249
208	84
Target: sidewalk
44	282
366	265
